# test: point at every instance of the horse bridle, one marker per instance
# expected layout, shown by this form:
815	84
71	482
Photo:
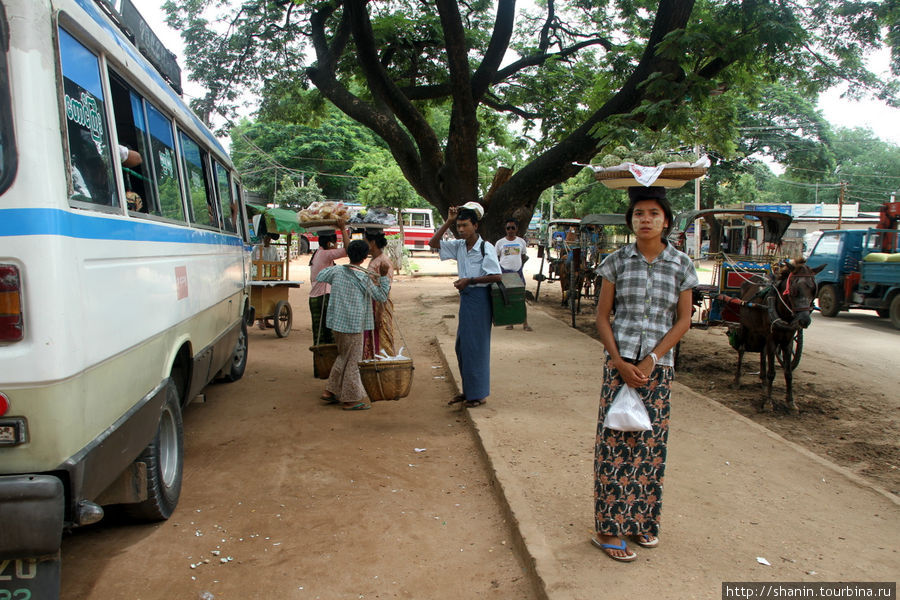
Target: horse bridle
789	303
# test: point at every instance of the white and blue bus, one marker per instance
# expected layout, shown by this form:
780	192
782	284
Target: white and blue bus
124	275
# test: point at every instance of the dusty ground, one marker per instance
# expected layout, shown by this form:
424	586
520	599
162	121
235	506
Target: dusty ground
311	502
286	498
848	413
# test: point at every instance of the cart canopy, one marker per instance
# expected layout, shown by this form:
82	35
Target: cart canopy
774	224
278	220
603	219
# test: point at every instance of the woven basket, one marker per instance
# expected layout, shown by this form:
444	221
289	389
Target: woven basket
386	379
669	178
324	356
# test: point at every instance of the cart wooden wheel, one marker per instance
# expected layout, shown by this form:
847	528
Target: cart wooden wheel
795	348
283	318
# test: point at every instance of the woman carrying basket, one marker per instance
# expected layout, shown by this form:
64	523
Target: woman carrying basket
649	285
322	258
349	314
381	337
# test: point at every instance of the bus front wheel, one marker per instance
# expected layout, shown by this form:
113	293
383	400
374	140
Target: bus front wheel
164	457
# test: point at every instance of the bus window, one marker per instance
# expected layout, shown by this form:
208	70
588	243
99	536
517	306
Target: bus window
406	219
165	176
420	220
227	204
128	111
203	210
238	219
92	176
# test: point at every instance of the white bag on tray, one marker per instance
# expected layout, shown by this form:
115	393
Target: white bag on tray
627	412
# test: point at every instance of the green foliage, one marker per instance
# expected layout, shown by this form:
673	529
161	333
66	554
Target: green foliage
736	67
290	195
383	183
264	150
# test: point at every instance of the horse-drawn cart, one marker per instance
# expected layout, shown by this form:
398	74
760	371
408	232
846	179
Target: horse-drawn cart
744	246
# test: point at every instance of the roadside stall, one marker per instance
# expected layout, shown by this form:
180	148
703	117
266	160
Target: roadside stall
270	280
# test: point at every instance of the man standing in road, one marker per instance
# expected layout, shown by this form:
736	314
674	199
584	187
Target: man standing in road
477	267
512	254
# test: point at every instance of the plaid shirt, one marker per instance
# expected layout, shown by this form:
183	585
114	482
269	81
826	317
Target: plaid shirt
646	297
352	291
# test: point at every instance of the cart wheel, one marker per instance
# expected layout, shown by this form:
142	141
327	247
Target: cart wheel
795	348
283	318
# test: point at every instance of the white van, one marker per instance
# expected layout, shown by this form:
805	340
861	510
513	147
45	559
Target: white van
124	270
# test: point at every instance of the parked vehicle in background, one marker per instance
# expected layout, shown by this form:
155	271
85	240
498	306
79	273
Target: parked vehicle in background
862	268
124	281
418	227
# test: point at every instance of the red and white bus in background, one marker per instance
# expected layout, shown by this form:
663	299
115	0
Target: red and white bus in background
418	227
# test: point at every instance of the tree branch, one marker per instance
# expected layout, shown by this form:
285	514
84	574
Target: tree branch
493	102
496	50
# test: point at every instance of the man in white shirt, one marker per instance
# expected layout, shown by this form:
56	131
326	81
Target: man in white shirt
477	266
511	252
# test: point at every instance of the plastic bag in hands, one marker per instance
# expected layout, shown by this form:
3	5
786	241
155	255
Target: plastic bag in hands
627	412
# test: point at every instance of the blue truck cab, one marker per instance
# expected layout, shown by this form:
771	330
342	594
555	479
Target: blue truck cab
862	270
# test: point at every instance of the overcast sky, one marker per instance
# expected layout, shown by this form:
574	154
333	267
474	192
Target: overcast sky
877	116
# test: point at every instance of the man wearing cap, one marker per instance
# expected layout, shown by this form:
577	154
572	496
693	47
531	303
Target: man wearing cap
477	267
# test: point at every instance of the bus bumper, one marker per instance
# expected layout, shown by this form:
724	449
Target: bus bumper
31	519
31	515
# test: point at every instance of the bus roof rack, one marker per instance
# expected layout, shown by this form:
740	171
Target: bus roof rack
130	21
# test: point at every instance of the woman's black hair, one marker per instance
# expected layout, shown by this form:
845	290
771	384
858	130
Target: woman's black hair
324	239
377	237
327	238
656	194
357	251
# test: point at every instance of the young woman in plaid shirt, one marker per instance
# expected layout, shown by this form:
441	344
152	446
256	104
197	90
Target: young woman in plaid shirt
648	285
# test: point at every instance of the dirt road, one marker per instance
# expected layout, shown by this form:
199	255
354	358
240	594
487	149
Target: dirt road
286	498
311	502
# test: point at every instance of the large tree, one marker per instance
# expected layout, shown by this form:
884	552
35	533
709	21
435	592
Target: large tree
572	78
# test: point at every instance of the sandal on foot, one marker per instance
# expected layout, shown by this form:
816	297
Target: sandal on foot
510	327
357	406
474	403
528	328
620	546
646	540
329	399
457	399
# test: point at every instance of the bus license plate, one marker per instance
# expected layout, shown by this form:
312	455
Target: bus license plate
30	578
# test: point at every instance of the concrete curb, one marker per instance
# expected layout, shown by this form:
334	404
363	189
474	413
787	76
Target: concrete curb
551	576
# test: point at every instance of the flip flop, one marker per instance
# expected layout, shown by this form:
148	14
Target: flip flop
646	540
528	328
329	399
474	403
457	399
364	406
622	546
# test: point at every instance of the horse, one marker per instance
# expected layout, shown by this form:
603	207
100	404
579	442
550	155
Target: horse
771	313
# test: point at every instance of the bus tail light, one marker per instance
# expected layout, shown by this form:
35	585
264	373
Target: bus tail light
12	324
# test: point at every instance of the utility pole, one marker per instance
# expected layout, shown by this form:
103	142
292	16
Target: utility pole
841	204
698	229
